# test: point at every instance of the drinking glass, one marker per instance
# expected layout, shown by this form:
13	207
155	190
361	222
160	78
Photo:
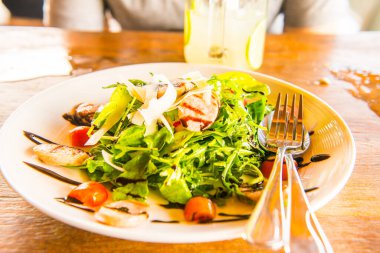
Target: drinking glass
227	32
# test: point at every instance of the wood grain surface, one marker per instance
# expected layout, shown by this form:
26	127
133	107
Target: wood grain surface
351	220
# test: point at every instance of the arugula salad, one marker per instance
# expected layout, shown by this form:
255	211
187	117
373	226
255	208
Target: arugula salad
143	142
193	139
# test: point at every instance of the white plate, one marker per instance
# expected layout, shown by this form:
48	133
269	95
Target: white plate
42	115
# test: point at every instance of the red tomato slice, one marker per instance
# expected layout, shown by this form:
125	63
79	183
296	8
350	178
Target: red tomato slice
267	166
200	209
92	194
79	136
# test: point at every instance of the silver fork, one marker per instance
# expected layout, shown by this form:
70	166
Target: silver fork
303	231
270	226
267	223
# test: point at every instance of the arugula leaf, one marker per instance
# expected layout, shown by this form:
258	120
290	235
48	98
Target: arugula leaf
175	189
135	168
159	139
137	191
137	82
257	110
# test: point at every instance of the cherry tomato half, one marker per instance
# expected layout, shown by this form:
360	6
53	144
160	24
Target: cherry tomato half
200	209
92	194
267	166
79	136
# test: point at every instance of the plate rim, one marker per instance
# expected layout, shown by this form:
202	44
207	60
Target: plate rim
130	236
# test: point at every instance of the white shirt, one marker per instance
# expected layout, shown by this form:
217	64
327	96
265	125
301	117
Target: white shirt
331	16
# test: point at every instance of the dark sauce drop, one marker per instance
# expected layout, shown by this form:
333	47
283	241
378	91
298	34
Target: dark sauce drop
311	189
314	158
300	162
165	221
173	206
298	159
125	181
320	157
301	165
246	216
238	217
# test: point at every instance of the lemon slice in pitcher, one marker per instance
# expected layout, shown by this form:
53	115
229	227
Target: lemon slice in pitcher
187	28
255	45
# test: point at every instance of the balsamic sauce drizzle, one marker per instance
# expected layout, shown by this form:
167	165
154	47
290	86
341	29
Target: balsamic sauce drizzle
311	189
164	221
238	217
52	174
74	203
313	159
173	206
320	157
36	138
300	162
246	216
301	165
125	181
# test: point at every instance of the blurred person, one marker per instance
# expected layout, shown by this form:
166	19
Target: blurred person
320	16
31	9
5	14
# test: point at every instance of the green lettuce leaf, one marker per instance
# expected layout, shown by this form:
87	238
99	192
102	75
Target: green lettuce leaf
112	112
245	82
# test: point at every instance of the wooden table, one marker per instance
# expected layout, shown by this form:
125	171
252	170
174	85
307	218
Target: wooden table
351	220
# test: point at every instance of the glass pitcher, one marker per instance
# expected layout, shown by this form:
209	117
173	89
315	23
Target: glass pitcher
228	32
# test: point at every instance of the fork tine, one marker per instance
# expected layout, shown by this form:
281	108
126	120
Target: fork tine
286	128
300	109
299	127
273	127
284	118
292	118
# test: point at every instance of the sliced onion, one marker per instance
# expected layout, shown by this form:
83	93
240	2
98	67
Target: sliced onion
194	76
153	109
108	159
166	124
136	118
135	91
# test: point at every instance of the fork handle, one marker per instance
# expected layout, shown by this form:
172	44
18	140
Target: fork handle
305	233
266	224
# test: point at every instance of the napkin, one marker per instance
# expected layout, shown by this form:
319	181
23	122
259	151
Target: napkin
27	53
21	64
